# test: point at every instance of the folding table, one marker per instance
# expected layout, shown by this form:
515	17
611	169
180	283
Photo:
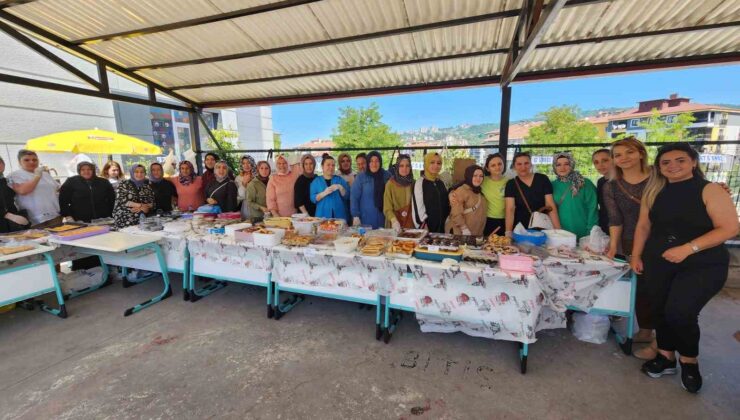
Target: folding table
121	245
35	275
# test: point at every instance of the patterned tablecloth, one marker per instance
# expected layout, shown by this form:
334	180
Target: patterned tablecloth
465	297
223	249
318	268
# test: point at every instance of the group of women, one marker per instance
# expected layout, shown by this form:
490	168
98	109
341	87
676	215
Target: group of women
666	218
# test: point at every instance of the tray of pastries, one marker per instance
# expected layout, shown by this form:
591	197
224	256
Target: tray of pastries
373	246
295	239
401	248
10	250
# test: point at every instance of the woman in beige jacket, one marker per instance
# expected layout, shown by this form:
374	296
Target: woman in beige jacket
468	213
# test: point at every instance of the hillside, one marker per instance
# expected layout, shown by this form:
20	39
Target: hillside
475	133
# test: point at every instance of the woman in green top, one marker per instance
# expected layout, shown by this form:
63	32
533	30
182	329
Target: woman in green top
574	196
256	197
397	195
493	189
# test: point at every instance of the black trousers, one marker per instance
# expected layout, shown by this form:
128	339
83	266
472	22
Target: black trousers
678	292
492	224
643	304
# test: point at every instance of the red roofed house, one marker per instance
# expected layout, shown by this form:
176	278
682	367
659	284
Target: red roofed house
712	122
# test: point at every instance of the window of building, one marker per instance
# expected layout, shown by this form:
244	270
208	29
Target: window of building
634	123
670	118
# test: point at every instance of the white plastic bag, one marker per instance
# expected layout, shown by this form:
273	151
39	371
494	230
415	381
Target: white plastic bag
591	328
597	242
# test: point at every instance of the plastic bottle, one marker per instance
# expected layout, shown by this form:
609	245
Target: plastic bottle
142	220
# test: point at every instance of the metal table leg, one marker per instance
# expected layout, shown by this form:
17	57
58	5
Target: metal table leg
167	292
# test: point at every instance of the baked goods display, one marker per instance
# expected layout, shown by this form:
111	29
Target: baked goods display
24	236
81	232
9	250
500	245
295	239
279	222
412	234
324	240
469	240
332	225
63	228
439	242
402	248
373	246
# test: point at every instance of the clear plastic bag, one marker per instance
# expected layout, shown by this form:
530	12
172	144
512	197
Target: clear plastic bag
591	328
597	242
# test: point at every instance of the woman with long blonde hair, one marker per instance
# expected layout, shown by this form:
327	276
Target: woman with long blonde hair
622	197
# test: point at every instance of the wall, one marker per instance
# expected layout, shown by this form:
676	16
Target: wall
27	112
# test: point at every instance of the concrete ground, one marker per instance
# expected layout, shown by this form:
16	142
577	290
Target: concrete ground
222	358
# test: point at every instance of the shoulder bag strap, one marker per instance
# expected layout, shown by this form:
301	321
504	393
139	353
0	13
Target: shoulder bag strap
625	192
521	193
214	191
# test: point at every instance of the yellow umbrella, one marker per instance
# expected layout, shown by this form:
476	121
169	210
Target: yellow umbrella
93	141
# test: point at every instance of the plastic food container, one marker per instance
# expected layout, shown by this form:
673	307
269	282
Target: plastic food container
559	237
518	263
267	239
305	227
536	240
346	244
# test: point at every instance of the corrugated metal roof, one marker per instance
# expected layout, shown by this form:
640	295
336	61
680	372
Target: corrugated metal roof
229	50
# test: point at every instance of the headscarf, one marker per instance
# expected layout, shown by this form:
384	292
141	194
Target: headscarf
260	177
187	180
81	164
574	178
136	182
250	159
281	156
339	161
303	171
403	181
469	172
427	161
221	178
152	179
378	179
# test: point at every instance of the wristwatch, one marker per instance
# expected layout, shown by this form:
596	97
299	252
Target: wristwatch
694	247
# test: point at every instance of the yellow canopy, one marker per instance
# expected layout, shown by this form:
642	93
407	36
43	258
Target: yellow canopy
93	141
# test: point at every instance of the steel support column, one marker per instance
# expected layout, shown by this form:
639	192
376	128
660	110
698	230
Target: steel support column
503	136
195	140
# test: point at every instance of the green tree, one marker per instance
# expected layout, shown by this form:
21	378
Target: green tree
224	145
364	128
563	126
658	129
277	140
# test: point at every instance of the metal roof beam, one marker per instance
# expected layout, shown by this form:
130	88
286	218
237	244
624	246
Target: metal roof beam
645	65
343	40
362	37
74	49
385	90
9	78
541	23
344	70
657	64
264	8
458	56
28	42
4	4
